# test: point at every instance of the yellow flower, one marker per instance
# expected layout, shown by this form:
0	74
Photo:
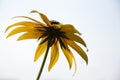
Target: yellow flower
51	34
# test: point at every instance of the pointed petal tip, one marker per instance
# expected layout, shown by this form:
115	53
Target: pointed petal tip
87	62
15	17
18	39
70	67
5	31
87	58
34	11
49	69
79	33
7	36
35	60
87	49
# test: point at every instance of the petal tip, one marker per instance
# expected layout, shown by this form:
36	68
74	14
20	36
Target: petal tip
87	62
7	36
87	49
5	31
49	69
34	11
35	60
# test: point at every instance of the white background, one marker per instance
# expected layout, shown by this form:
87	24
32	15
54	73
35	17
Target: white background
97	20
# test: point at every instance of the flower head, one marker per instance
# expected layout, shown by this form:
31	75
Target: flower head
51	34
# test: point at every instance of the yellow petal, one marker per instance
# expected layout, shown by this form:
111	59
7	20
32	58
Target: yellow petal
67	53
68	56
68	28
78	49
40	50
54	56
38	22
29	36
74	63
43	16
18	30
76	38
24	23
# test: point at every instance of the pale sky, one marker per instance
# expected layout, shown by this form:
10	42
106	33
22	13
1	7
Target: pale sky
97	20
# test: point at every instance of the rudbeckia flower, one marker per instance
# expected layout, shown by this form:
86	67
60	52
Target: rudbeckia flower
50	34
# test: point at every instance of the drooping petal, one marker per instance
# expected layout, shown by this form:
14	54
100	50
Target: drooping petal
62	42
18	30
23	23
29	36
68	28
43	16
66	52
41	24
40	50
76	38
75	65
54	56
68	56
78	49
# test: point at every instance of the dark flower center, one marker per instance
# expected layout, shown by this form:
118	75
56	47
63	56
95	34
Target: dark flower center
52	34
54	22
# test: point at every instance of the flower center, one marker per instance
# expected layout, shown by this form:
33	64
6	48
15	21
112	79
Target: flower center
52	34
54	22
55	34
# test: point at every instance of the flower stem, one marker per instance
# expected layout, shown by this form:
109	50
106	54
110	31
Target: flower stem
43	63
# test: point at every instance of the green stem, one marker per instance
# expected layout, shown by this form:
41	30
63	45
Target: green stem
43	63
